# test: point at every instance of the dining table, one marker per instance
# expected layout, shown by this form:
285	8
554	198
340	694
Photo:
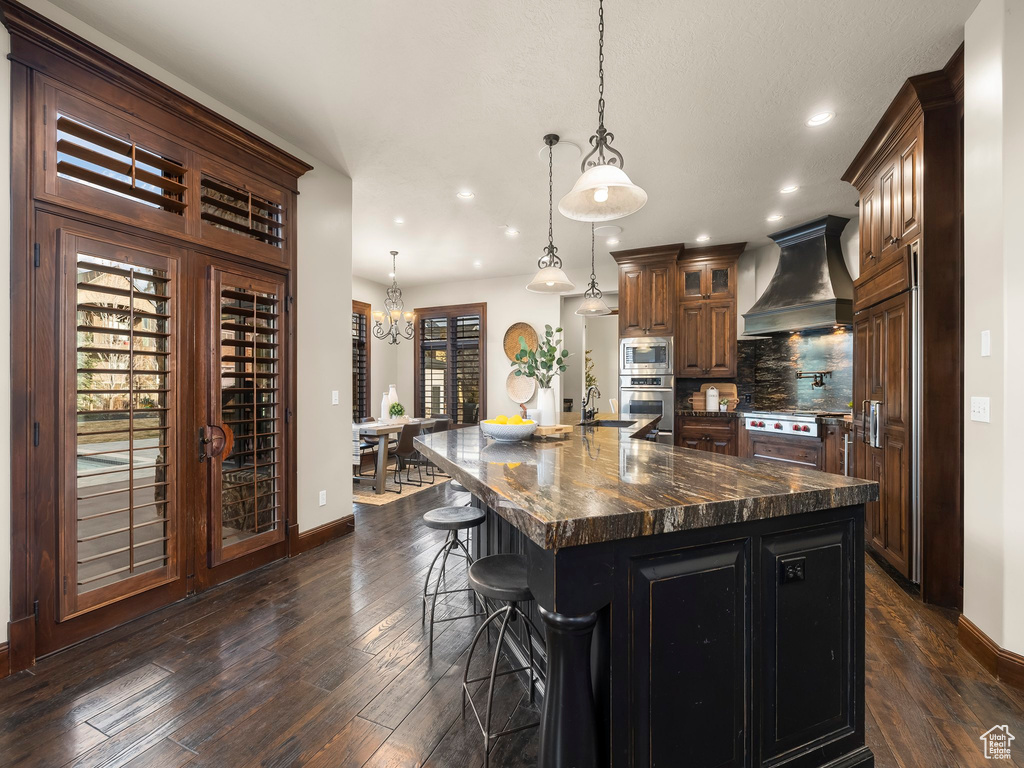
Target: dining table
382	428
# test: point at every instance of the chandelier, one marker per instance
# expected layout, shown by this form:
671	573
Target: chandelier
550	278
604	191
394	313
593	301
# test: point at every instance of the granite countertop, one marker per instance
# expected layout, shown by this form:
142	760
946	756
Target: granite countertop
599	484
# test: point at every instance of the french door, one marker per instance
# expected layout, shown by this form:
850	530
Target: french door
161	467
241	440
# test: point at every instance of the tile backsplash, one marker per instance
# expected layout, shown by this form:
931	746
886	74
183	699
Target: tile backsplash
766	371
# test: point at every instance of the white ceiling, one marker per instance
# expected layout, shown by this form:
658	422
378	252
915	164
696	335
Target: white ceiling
417	100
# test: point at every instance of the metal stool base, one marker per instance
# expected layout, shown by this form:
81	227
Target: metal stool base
451	542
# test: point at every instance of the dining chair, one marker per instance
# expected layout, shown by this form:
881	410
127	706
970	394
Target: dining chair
407	457
367	444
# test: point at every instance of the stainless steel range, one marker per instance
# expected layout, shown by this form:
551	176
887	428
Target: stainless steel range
789	423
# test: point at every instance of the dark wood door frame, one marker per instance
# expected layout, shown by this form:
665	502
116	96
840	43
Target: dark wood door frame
38	46
450	311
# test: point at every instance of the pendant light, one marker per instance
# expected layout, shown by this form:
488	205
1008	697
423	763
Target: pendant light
550	278
394	313
593	301
604	191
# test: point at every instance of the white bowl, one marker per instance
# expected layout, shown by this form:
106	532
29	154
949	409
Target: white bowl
508	432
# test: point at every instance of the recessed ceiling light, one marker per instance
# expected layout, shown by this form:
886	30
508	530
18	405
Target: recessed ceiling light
465	194
399	220
703	238
477	264
789	190
820	119
608	230
391	274
774	217
612	241
511	231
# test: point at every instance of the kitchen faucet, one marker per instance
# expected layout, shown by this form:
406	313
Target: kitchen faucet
588	412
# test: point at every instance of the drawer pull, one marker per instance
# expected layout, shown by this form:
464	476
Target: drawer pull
788	461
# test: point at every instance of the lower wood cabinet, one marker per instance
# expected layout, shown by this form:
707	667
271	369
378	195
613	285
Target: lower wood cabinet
714	434
802	451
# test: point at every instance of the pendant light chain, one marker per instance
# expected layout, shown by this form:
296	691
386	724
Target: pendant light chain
600	63
593	292
550	257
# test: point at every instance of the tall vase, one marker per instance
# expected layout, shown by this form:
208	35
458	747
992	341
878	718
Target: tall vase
385	404
546	401
392	394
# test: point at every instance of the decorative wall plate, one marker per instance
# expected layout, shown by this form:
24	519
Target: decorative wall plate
520	389
511	342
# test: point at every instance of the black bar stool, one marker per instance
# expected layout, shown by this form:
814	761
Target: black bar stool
453	520
501	578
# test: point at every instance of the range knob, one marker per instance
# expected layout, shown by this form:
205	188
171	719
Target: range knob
778	426
806	428
796	427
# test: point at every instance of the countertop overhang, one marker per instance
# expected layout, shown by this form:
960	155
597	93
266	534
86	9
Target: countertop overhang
600	484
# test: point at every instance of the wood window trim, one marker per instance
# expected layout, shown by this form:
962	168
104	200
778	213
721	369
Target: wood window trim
449	311
362	308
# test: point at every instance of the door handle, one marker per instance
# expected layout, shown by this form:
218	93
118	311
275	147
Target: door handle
864	422
215	441
874	424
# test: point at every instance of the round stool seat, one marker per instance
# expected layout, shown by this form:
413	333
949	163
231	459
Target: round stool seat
454	518
501	577
457	486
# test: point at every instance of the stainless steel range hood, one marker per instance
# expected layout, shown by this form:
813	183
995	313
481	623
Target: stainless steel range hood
811	287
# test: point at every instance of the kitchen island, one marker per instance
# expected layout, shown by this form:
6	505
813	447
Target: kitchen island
700	610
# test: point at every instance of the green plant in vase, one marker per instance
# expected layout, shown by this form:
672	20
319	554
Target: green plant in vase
543	364
396	411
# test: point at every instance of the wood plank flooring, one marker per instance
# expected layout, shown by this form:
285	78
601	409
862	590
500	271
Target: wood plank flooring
322	661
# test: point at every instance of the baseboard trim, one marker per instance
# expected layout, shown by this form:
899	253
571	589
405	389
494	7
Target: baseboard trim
1006	665
303	542
5	662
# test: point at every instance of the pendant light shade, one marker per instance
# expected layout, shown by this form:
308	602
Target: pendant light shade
550	278
602	193
593	301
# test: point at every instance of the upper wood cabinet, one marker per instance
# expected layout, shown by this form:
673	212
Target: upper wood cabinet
647	291
706	313
706	279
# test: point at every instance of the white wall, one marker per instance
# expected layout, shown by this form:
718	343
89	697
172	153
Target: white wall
383	356
993	197
757	265
572	379
325	265
601	336
508	302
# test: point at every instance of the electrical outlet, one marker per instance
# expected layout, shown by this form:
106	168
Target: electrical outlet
323	498
334	397
746	397
980	409
986	343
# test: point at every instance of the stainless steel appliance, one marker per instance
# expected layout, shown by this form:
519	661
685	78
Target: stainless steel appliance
646	355
800	431
650	395
788	423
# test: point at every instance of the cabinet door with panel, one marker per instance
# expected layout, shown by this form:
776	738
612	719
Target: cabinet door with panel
889	215
691	330
631	314
869	229
691	283
721	279
910	187
720	338
658	282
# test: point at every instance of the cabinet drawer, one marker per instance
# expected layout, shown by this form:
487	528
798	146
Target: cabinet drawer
801	451
706	423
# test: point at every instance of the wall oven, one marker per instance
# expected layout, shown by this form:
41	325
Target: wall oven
646	355
647	396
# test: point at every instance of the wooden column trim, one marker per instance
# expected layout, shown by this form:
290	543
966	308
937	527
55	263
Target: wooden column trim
1006	665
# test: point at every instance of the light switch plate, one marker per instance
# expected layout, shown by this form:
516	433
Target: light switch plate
334	397
980	409
323	498
986	343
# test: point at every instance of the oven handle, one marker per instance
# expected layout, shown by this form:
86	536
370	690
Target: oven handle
647	389
788	461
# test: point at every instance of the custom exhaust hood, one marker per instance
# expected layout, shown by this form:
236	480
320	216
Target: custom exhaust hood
811	287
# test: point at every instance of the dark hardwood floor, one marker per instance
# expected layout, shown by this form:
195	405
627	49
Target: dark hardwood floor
321	661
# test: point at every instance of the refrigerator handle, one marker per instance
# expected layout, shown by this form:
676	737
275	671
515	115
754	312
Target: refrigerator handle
875	424
864	422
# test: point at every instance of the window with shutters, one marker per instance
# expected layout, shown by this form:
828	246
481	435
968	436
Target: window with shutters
238	210
120	503
360	360
450	374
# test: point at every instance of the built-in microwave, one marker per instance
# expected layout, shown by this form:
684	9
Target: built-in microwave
649	354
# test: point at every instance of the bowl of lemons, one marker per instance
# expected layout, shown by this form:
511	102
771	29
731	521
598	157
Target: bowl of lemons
508	428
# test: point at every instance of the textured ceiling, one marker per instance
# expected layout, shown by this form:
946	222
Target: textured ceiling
417	100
